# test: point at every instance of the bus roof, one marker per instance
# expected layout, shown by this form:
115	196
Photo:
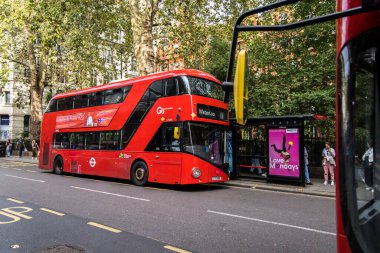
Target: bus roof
150	77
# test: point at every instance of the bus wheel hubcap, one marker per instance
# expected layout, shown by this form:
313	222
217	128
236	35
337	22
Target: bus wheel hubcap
139	174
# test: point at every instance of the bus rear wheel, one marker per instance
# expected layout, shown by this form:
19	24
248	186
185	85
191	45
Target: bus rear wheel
139	173
58	166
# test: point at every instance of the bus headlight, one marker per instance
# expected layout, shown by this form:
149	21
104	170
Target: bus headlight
196	173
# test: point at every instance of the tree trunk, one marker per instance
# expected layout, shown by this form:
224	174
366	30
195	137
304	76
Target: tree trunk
142	17
36	88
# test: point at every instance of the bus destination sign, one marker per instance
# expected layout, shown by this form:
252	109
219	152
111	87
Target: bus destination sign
211	112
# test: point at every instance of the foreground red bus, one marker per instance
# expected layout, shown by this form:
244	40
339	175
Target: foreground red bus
358	128
358	115
168	127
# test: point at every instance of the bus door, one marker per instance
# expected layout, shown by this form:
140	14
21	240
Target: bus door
166	161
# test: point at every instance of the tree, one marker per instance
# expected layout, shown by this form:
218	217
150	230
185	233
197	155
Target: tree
143	13
57	42
217	56
293	72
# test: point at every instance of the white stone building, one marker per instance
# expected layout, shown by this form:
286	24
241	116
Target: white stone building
13	121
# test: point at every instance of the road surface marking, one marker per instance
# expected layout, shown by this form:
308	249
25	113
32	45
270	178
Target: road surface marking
114	230
36	180
33	171
176	249
51	211
15	200
154	188
273	223
109	193
121	184
16	169
282	192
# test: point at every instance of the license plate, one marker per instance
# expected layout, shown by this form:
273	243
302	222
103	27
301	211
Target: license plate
216	178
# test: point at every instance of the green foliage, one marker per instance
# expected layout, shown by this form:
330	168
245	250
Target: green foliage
216	58
293	72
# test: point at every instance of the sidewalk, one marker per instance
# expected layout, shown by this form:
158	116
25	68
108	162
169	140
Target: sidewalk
24	159
317	189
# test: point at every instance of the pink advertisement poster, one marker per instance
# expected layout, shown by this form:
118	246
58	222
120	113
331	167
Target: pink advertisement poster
85	119
284	157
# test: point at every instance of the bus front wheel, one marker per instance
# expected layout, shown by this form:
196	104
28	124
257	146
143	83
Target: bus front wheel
139	173
58	166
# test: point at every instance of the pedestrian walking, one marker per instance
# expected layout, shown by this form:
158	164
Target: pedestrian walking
35	150
328	163
7	148
368	166
21	146
307	177
10	147
255	161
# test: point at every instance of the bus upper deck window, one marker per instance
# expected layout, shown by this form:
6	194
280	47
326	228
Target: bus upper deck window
170	87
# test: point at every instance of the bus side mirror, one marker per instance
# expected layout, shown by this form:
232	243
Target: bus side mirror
176	133
241	89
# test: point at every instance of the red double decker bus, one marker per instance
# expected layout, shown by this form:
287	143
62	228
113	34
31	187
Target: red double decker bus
169	127
358	127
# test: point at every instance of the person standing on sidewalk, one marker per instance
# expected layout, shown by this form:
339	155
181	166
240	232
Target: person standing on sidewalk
307	177
328	163
35	150
21	146
8	148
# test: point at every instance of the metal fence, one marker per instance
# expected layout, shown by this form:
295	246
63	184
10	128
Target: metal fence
314	148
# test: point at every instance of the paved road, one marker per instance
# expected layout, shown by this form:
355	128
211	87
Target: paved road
157	218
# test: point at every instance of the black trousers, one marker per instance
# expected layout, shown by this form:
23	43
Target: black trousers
368	175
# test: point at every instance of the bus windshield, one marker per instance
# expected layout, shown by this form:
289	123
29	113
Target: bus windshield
206	141
203	87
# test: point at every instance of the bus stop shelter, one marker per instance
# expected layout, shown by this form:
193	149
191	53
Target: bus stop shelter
270	148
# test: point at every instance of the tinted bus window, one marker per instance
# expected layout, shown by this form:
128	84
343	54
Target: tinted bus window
126	91
110	140
92	141
80	101
205	88
52	106
182	89
170	87
95	99
113	96
65	103
61	141
77	140
155	91
164	139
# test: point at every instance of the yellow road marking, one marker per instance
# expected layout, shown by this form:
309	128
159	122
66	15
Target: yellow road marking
19	213
114	230
176	249
15	200
153	188
120	183
51	211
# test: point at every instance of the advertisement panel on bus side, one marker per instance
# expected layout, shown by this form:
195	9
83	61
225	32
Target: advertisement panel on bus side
85	119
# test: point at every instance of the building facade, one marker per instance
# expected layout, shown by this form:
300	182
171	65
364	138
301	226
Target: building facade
14	120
